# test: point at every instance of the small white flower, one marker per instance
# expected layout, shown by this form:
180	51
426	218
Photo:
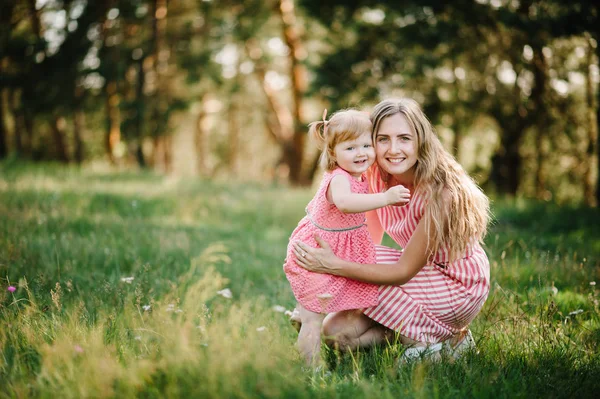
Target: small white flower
225	293
592	283
127	280
288	313
146	308
576	312
178	310
279	309
170	307
205	345
261	328
137	338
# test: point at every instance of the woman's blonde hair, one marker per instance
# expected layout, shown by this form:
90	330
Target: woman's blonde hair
457	208
344	125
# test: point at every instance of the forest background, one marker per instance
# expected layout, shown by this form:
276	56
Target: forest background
154	160
225	89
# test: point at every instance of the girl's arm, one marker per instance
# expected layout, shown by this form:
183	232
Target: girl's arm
341	195
323	260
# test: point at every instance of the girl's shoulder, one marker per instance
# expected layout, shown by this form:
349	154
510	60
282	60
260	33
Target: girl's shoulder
338	171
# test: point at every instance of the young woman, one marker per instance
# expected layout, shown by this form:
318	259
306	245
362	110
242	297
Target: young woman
431	291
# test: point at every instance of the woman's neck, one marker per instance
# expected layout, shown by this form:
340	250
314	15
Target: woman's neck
406	181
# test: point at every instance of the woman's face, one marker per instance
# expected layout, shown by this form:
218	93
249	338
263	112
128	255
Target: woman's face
396	147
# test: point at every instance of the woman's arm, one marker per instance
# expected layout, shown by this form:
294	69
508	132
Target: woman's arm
341	195
323	260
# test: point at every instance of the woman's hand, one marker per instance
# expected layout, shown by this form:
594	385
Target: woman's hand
319	260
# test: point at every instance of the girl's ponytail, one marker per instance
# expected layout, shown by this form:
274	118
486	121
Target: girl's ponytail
317	130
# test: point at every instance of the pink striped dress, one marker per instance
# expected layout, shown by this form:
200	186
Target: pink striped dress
444	297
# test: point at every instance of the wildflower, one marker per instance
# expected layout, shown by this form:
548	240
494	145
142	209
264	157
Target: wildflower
576	312
288	313
127	280
279	308
146	308
11	288
225	293
261	328
592	283
170	307
137	338
78	349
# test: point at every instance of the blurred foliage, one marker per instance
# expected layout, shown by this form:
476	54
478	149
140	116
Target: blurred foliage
512	87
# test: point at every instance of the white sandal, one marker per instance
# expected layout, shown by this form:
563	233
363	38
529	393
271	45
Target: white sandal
467	344
427	352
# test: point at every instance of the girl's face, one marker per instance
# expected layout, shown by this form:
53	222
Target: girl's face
396	147
355	156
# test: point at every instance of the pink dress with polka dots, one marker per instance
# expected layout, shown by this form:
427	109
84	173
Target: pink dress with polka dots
349	239
444	297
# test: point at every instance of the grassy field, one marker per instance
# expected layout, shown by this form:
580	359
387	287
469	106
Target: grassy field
122	290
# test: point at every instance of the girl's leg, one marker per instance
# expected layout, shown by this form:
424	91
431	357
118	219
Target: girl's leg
351	329
295	320
309	337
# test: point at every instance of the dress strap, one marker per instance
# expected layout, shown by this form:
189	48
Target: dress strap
308	215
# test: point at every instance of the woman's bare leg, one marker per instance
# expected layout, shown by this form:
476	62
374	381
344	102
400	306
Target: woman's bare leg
309	337
351	329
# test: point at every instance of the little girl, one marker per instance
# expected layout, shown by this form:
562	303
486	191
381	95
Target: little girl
336	214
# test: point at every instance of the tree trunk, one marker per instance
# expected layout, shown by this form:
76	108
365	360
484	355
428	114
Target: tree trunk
28	124
34	19
200	141
58	135
3	133
78	126
160	96
456	118
592	129
140	113
17	110
598	121
506	163
233	133
294	149
539	95
112	135
168	153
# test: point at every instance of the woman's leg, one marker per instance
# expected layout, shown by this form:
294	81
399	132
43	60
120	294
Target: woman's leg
351	329
309	337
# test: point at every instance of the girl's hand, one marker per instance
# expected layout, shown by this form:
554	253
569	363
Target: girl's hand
318	260
397	195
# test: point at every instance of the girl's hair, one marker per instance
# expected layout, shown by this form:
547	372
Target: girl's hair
457	208
344	125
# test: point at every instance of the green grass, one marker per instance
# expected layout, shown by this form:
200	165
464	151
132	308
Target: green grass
73	328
